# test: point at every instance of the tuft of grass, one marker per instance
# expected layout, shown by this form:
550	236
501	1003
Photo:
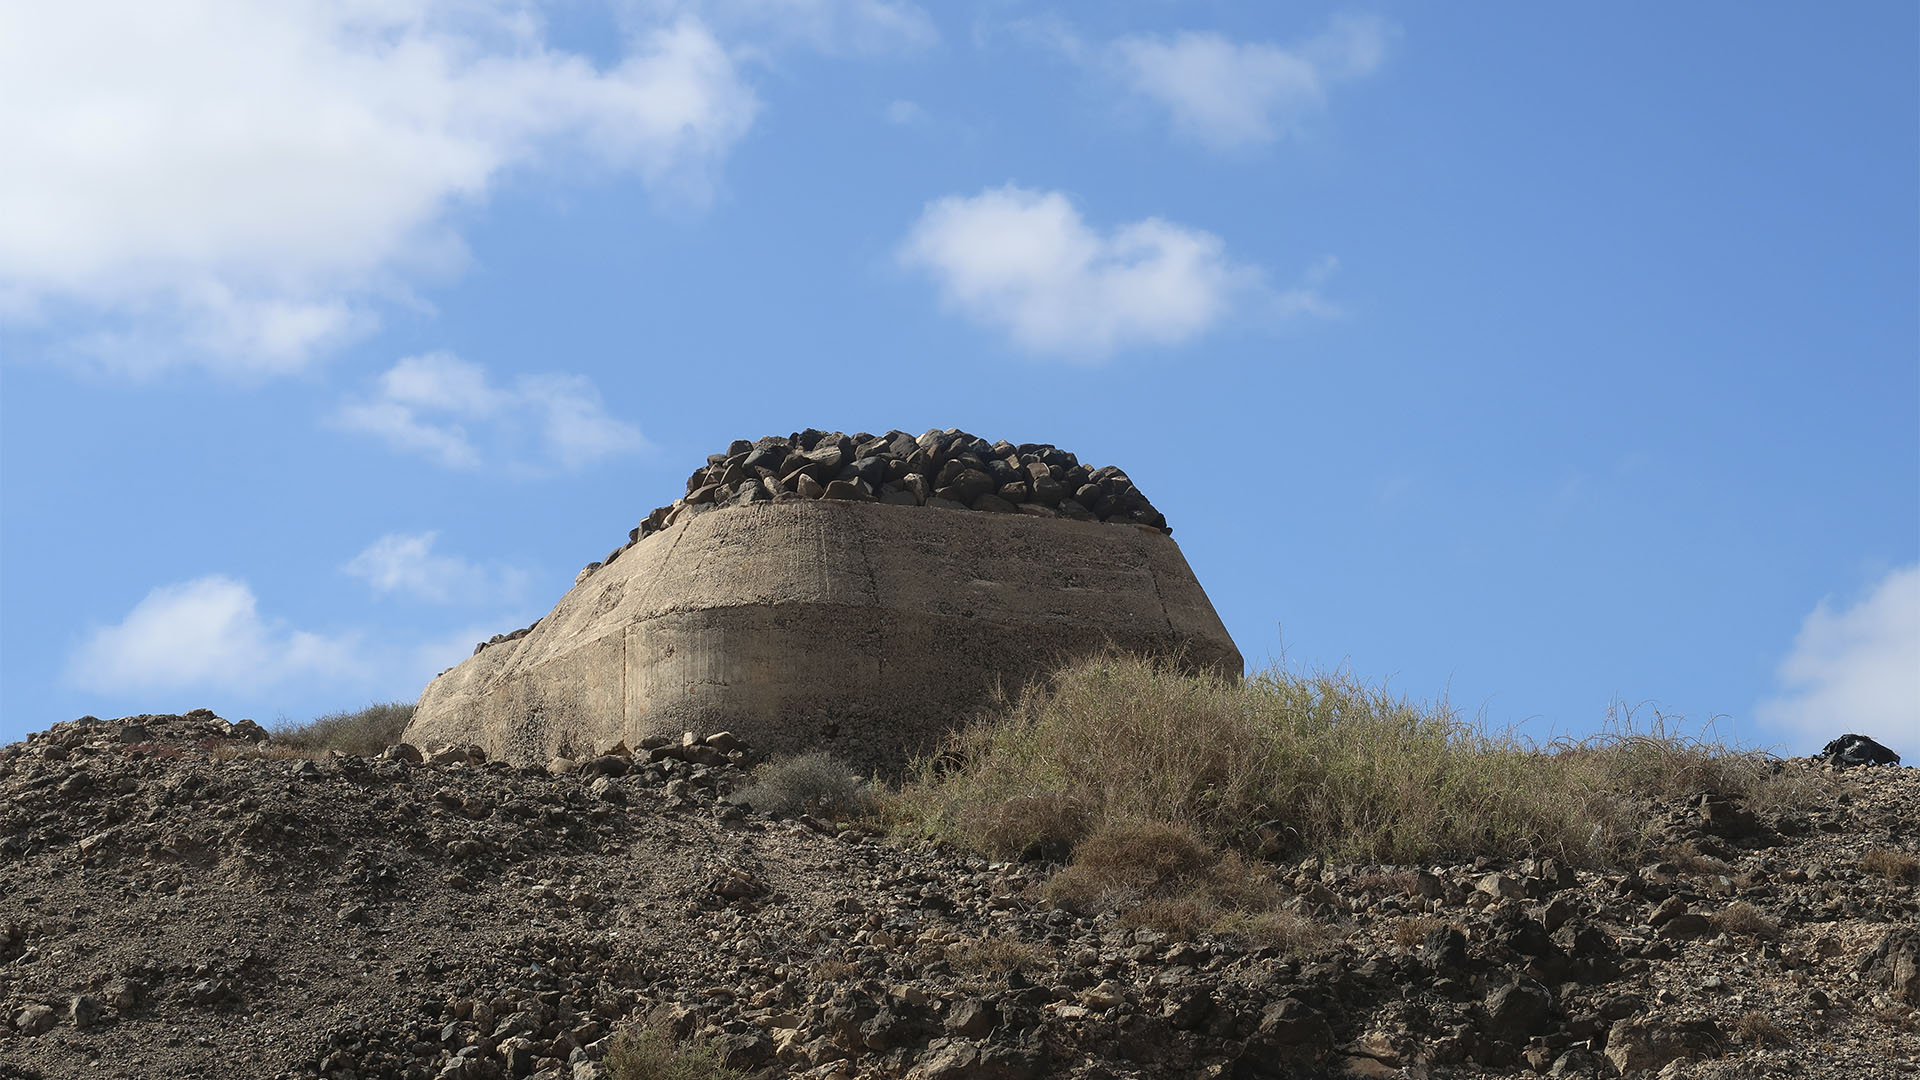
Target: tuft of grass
1192	915
832	969
1131	862
815	782
1409	933
1338	768
1892	864
1760	1029
1162	789
1746	920
1898	1017
994	955
1127	862
1399	882
1165	876
1688	857
644	1052
364	733
1286	931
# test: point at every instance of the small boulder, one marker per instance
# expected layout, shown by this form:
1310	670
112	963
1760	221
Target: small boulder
972	1016
34	1020
1444	949
1636	1045
1849	751
1518	1010
855	490
1895	964
1290	1022
406	752
605	765
1501	887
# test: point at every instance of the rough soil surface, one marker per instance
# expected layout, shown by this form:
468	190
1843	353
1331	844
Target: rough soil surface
175	900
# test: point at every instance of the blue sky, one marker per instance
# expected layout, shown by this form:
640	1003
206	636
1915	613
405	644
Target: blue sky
1542	358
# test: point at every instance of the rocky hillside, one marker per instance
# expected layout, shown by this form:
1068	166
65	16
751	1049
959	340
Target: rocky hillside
178	898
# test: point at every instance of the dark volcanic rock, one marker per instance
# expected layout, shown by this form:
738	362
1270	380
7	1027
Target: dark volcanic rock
1849	751
179	913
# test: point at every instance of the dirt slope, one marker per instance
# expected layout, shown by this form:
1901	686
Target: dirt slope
172	904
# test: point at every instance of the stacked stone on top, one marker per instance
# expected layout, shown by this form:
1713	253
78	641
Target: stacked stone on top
946	470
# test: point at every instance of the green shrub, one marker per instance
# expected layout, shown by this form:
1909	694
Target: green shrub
365	733
644	1052
811	783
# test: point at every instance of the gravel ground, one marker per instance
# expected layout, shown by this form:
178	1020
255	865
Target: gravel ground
179	899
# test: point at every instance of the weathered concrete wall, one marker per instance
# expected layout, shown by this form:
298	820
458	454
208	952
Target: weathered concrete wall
864	628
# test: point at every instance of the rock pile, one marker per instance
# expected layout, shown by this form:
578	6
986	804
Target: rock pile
945	470
948	470
179	898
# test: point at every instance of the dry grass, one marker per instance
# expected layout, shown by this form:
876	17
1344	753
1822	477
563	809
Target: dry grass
645	1052
1410	933
832	969
1892	864
1688	857
1746	920
994	955
364	733
1127	862
1392	882
1193	915
1164	875
1346	771
266	751
1039	825
1283	930
1155	786
815	782
1897	1017
1760	1029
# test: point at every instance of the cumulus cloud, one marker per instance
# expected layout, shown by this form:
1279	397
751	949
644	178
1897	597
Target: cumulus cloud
904	113
1856	669
425	404
406	563
1029	264
1225	93
240	184
206	634
424	659
865	27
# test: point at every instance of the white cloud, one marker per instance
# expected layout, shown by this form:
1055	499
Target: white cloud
1026	262
424	403
205	634
905	113
1228	93
867	27
426	658
1856	670
239	184
406	563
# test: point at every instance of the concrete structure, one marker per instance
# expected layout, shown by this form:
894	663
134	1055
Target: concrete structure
862	628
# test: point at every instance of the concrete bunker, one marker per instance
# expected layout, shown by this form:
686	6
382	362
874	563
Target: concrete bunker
861	626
